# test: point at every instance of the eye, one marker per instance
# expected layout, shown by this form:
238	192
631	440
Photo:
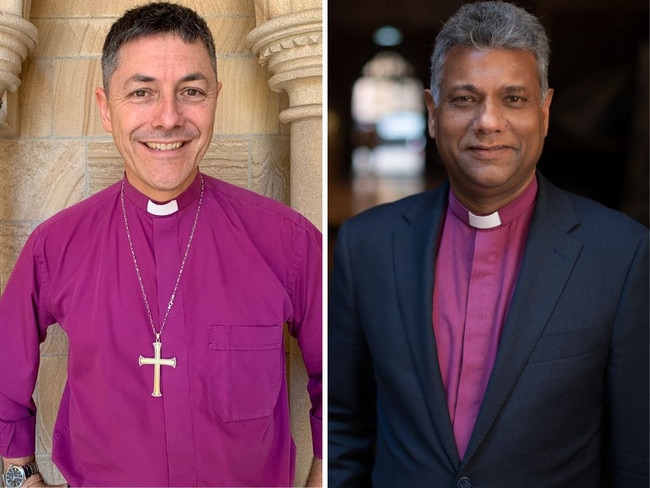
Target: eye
139	93
193	92
463	100
515	100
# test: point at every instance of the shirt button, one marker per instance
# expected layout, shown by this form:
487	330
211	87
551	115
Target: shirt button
464	482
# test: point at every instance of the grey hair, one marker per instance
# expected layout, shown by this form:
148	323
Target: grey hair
491	25
151	19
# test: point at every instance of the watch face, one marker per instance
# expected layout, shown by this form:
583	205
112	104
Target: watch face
14	477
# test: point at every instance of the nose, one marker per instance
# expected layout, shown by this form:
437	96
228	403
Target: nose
489	118
168	113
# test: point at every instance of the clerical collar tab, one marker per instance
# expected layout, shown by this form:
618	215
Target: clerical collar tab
162	210
484	221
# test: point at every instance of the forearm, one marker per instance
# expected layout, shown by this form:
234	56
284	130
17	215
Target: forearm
6	462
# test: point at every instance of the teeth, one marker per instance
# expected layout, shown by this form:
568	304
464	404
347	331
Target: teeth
164	147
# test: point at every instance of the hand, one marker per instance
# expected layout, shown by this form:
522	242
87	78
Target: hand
34	481
315	478
37	481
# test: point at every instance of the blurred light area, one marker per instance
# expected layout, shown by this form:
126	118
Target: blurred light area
390	123
401	125
387	36
390	160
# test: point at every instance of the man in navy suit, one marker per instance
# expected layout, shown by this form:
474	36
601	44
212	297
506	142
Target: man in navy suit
492	332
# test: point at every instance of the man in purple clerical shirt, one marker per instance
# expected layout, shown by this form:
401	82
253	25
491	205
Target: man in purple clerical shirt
174	290
492	332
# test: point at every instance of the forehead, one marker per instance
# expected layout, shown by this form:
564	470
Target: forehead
490	67
162	50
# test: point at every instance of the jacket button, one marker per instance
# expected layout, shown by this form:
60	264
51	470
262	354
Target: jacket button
464	482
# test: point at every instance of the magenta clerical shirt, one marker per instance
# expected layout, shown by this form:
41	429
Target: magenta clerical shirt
475	275
223	418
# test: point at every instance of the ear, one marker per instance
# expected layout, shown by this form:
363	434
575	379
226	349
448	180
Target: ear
431	110
104	109
546	109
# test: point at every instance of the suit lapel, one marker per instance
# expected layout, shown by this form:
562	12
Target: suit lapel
414	258
549	258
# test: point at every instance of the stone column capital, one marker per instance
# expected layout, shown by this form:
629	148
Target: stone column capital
291	46
18	38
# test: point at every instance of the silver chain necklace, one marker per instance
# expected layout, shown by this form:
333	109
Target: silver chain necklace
157	361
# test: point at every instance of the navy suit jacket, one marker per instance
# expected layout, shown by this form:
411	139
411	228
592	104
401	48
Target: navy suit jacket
567	401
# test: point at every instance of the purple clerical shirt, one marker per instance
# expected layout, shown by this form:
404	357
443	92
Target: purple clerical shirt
475	275
223	417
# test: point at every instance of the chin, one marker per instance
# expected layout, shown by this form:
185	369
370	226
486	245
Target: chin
170	181
487	178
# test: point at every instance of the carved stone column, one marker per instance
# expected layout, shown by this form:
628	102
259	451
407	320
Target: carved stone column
18	38
288	39
291	46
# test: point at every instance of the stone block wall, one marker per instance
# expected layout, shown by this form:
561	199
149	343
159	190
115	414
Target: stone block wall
62	155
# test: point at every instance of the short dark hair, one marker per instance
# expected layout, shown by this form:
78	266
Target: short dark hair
151	19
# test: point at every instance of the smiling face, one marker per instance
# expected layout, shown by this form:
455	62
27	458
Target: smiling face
160	108
489	124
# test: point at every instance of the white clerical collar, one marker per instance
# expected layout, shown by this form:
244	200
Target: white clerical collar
484	221
162	210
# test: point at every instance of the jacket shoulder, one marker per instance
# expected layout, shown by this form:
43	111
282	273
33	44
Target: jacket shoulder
604	218
394	215
588	216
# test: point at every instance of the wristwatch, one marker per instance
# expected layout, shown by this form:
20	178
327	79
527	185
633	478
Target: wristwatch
15	476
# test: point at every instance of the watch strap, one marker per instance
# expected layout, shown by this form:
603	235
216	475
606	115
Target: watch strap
30	469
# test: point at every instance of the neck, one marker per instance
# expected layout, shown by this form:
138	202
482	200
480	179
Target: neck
484	207
157	194
480	203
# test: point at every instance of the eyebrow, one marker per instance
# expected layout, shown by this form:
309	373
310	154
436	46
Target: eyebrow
197	76
142	78
515	88
468	87
139	78
474	89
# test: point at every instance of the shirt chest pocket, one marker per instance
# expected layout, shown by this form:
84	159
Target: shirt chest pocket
247	368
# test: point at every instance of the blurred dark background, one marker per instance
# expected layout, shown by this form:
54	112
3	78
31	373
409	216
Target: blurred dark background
598	139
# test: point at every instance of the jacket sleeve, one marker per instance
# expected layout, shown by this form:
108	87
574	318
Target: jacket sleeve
627	379
352	419
23	321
